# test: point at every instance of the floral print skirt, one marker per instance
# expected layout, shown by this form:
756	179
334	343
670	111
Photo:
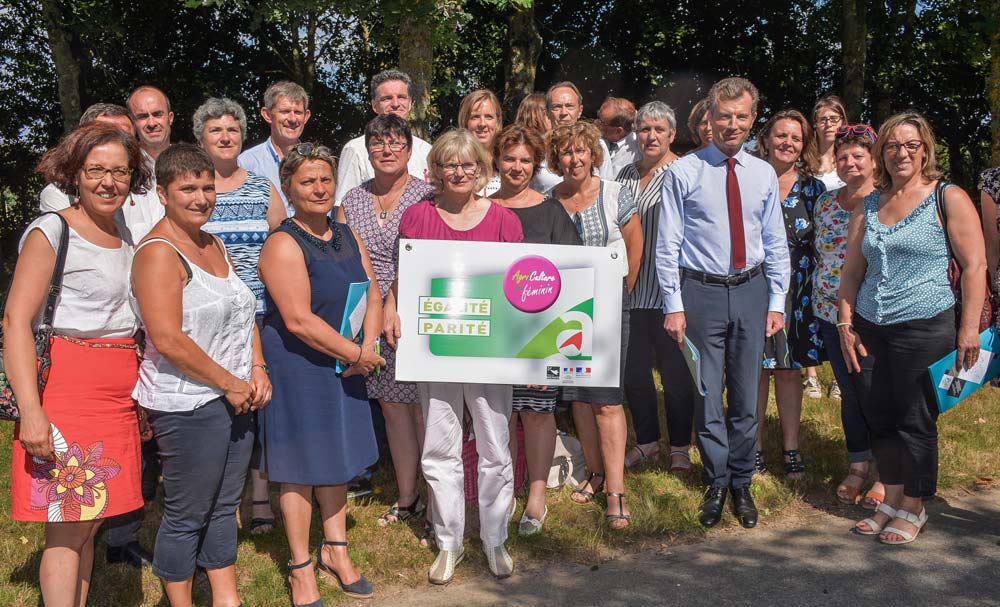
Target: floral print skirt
799	344
88	400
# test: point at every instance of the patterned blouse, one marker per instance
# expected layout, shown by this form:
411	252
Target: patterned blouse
646	295
240	220
989	183
830	241
359	210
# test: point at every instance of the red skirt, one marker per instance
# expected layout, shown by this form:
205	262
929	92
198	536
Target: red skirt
97	472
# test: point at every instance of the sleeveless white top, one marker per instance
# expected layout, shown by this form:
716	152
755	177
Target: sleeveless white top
94	301
218	315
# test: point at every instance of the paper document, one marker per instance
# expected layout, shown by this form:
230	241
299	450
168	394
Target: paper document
354	315
952	384
693	359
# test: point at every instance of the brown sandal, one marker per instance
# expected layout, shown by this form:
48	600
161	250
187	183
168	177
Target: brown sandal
847	494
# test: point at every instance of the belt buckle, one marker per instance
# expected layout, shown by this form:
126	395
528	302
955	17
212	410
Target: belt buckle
733	279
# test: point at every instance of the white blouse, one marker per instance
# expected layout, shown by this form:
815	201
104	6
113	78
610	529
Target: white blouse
94	302
218	315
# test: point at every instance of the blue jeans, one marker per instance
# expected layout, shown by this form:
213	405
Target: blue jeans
205	454
859	447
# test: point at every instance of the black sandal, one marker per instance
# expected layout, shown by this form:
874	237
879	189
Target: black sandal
428	539
291	567
401	514
260	525
758	463
794	464
621	516
361	589
588	496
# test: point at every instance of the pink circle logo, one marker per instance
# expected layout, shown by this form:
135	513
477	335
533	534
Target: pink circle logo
532	283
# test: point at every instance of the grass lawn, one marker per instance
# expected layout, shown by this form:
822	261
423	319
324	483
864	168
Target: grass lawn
664	509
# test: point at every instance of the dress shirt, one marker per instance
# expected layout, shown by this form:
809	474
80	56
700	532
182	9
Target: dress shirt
694	223
140	212
545	179
263	159
625	152
354	167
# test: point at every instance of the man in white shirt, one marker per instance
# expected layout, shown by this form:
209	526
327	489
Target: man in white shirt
390	94
141	211
153	117
565	105
286	110
616	119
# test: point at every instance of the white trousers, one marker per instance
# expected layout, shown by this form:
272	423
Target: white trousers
489	407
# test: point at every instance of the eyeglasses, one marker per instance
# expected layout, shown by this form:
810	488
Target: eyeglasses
911	146
311	149
860	130
469	168
378	145
829	120
97	173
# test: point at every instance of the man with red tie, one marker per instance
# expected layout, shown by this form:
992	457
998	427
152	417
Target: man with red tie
722	261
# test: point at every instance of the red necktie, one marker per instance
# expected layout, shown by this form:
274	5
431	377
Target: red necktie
736	239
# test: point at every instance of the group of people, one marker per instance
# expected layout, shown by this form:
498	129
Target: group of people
204	290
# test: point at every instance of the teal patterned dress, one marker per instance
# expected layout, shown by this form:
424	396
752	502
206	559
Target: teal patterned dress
799	344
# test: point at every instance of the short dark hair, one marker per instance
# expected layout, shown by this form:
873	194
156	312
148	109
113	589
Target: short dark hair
97	110
63	163
293	160
179	159
389	124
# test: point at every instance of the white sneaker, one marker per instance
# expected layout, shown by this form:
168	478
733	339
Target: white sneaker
499	559
443	568
835	390
811	388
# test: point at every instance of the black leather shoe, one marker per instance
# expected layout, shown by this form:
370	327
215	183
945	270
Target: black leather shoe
744	507
711	507
131	554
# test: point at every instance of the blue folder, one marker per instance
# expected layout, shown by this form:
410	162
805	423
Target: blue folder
354	315
950	387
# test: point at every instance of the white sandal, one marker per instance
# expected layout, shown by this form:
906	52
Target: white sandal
873	527
916	521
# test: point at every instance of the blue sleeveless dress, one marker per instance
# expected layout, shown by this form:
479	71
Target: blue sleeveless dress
317	430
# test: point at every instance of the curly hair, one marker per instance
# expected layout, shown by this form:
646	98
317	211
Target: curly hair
566	136
62	164
514	135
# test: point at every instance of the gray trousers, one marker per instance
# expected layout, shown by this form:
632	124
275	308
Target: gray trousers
205	455
726	324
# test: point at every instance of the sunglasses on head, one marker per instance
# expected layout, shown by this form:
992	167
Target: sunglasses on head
311	149
860	130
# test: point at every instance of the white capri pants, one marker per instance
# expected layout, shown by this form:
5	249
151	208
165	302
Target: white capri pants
489	407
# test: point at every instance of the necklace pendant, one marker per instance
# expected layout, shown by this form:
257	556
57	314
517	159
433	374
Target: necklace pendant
382	215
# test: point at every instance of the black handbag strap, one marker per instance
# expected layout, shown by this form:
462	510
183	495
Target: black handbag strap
939	201
56	284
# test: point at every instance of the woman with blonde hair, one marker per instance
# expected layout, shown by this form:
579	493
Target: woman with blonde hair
897	314
481	115
785	142
459	168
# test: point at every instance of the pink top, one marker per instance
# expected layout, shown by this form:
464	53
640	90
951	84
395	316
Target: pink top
421	221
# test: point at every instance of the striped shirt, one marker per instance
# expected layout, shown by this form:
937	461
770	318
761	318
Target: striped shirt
240	221
646	295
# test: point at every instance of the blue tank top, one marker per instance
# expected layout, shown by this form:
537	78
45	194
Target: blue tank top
907	276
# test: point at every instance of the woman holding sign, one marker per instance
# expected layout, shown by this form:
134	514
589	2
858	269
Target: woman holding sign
518	151
897	314
317	434
605	215
460	167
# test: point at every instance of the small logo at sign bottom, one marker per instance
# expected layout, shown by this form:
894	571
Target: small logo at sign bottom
551	372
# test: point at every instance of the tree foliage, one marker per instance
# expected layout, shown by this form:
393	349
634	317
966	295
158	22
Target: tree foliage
933	55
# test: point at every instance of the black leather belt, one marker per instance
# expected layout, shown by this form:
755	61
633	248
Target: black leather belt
716	279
